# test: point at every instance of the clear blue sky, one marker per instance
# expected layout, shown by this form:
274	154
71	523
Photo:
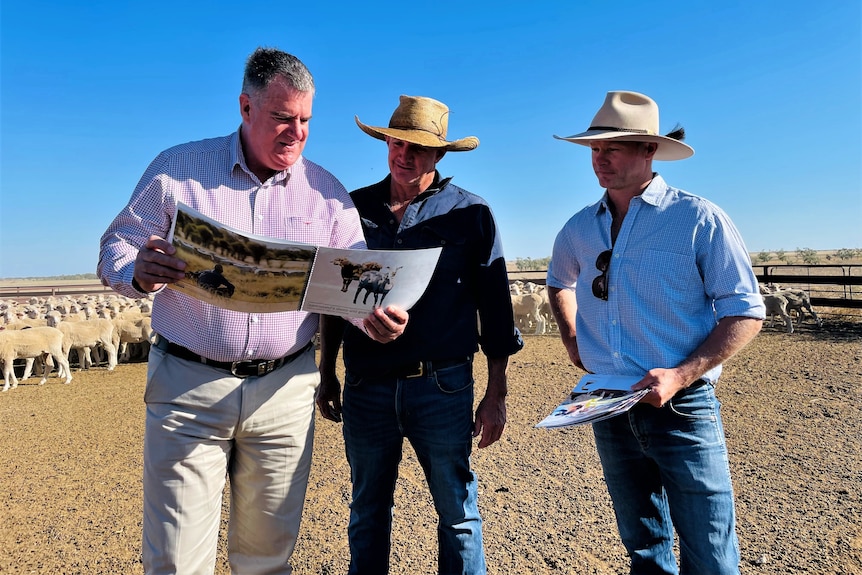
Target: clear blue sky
769	93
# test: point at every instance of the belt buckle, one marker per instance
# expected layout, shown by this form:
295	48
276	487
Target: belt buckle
238	365
419	373
252	368
265	367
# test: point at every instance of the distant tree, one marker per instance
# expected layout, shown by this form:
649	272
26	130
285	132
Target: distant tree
764	257
206	235
780	255
848	253
530	264
808	255
257	251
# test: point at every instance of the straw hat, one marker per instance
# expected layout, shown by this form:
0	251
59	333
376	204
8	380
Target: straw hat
631	117
421	121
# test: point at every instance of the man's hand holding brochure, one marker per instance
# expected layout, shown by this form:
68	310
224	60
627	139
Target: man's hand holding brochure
594	398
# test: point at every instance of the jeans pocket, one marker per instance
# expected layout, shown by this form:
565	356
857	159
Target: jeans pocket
351	380
454	379
699	404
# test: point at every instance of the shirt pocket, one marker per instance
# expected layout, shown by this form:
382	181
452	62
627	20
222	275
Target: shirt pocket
454	263
672	279
306	230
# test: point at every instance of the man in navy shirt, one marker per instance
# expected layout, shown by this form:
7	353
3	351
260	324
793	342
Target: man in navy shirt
420	387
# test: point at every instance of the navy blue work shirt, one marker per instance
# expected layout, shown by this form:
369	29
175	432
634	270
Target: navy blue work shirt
469	283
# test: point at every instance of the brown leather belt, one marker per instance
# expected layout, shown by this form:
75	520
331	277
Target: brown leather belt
422	368
245	368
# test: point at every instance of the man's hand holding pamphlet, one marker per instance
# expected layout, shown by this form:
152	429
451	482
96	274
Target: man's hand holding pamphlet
594	398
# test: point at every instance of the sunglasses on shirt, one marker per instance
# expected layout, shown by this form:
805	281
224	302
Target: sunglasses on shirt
600	284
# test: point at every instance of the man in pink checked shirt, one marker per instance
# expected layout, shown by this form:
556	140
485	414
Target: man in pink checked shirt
231	393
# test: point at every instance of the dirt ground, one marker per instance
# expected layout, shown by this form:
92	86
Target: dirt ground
70	467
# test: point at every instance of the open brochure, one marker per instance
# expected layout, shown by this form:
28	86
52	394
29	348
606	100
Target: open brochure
594	398
249	273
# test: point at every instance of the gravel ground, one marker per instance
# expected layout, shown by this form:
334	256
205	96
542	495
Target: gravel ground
70	465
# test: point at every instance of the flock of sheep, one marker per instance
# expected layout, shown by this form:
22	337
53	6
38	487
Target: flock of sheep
47	332
784	301
107	329
533	311
531	307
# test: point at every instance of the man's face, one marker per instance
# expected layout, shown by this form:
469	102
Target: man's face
274	126
622	165
410	163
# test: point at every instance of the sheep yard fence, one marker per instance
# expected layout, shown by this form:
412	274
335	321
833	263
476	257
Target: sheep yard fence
22	292
836	286
835	289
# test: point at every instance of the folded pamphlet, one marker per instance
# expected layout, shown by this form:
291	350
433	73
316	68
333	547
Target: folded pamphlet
594	398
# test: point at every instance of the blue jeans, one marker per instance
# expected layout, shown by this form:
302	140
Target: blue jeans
668	468
435	413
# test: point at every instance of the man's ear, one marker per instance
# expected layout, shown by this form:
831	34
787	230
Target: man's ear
651	148
244	106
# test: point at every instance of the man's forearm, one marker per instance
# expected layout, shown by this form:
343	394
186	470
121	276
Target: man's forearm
497	378
729	336
331	333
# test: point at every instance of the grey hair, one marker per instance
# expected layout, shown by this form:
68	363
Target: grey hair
266	64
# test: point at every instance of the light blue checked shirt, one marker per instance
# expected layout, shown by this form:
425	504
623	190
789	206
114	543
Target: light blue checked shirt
678	266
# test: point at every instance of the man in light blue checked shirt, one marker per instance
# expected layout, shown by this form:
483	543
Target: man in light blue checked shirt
655	282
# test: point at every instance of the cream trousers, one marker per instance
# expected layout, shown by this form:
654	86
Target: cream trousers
203	425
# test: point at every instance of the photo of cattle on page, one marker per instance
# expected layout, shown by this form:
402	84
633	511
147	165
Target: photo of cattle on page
249	273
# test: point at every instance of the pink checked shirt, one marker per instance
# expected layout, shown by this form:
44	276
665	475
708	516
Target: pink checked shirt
304	203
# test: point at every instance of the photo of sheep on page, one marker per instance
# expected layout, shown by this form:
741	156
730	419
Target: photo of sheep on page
351	283
238	271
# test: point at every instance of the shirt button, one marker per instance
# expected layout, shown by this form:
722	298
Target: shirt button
616	354
249	352
254	319
399	241
259	216
614	322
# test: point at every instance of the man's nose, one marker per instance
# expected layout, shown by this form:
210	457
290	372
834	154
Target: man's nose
294	129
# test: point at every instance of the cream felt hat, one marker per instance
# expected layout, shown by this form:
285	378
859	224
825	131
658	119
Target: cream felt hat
422	121
631	117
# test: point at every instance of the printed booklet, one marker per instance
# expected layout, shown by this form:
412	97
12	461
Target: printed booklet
249	273
594	398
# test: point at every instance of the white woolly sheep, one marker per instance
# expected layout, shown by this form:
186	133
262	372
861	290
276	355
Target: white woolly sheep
30	343
88	334
776	304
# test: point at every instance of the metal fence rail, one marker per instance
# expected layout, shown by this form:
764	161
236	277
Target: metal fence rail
24	292
835	285
827	285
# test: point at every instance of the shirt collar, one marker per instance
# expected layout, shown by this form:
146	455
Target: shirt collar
237	159
655	191
437	185
651	195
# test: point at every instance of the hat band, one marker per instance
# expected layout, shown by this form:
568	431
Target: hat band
440	137
616	129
